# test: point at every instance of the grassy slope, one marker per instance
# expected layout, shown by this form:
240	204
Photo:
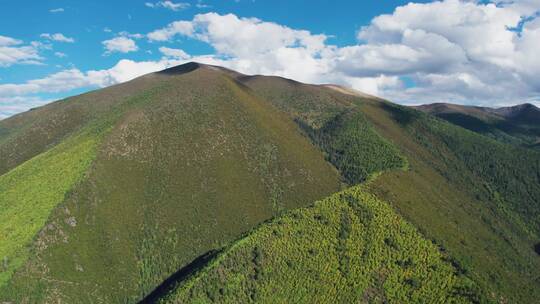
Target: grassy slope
28	134
313	106
186	168
347	248
31	191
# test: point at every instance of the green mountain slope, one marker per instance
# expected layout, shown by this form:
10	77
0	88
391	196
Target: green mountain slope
31	191
28	134
188	164
475	197
347	248
519	125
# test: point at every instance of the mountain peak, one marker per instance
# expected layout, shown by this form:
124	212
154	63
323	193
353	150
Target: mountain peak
193	66
183	68
518	110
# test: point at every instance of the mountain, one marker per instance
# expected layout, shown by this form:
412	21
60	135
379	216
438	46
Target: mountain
518	124
197	174
154	173
524	114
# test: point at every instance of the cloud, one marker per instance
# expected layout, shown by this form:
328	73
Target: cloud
168	5
374	85
12	51
60	54
174	53
254	46
57	37
451	50
120	44
173	29
70	79
457	51
201	5
130	35
6	41
58	82
16	98
56	10
421	51
239	36
13	105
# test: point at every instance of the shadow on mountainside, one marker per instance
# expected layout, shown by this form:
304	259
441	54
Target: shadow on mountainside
182	274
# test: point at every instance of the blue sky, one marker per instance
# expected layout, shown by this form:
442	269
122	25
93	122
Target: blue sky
86	21
466	52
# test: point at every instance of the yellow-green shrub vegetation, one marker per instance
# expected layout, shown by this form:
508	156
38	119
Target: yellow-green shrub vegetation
32	190
347	248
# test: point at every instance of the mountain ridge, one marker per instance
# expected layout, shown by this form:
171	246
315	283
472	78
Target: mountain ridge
519	124
505	111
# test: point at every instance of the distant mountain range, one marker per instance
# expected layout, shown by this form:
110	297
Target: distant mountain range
198	184
518	124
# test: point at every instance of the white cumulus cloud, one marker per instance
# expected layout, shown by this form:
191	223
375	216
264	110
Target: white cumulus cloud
174	53
254	46
173	29
13	51
12	105
120	44
6	41
457	51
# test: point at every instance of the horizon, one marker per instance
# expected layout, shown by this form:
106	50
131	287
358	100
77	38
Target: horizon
320	84
477	53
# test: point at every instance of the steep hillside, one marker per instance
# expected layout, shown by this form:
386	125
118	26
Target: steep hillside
347	248
31	191
519	125
180	167
475	197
